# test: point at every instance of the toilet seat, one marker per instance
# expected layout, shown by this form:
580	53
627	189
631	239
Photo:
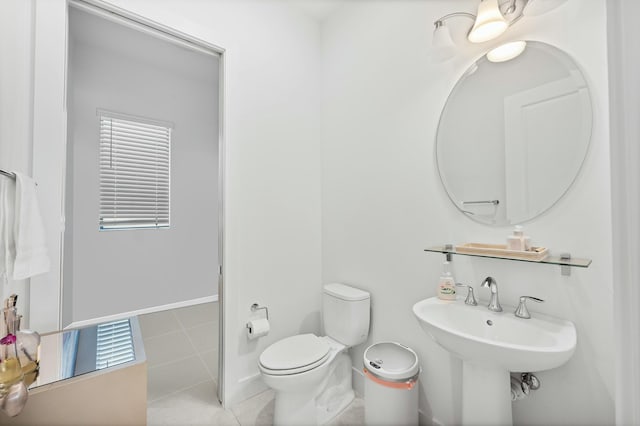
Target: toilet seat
295	354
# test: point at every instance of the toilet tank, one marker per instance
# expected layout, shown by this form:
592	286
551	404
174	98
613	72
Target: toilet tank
345	313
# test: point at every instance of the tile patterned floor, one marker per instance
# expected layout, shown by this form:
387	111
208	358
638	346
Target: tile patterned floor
182	357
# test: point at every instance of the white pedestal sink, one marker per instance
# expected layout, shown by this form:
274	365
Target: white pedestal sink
491	345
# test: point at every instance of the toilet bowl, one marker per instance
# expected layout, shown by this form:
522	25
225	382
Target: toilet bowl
311	375
300	382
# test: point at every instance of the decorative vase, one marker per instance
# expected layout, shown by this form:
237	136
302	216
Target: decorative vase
13	391
28	342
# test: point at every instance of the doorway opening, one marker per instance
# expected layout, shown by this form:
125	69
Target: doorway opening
143	185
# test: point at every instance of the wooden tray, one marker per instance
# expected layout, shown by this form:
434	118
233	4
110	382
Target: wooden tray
500	250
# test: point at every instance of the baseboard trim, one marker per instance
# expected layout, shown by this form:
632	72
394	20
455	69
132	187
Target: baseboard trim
123	315
250	386
434	421
249	378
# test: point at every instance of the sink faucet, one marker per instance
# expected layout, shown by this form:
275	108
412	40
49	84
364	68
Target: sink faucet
494	303
470	300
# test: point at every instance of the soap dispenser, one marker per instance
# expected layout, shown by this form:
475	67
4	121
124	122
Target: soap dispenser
518	241
447	285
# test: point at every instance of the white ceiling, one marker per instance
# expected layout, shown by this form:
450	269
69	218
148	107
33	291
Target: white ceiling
319	9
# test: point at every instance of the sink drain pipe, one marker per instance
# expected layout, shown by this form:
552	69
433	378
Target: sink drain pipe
522	384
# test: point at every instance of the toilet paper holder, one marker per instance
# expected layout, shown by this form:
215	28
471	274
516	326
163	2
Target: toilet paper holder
255	307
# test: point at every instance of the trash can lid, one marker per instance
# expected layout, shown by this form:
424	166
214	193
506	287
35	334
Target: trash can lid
392	361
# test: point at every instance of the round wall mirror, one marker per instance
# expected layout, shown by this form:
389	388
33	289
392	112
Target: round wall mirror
513	135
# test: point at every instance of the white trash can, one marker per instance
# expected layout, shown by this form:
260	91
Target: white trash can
391	385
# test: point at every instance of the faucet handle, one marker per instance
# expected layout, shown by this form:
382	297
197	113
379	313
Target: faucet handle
522	311
471	298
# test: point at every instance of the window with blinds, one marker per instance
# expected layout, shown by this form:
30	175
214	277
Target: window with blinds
135	158
114	344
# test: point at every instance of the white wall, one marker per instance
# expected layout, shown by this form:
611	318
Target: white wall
16	106
119	69
48	152
383	202
32	114
624	37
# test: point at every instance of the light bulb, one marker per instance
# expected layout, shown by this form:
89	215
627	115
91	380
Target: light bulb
507	51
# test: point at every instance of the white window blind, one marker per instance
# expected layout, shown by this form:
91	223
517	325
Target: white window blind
135	158
114	344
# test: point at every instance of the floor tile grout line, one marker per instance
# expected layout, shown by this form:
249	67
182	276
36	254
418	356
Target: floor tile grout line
145	339
193	347
180	322
173	361
189	337
207	375
235	417
214	325
213	331
256	396
199	354
177	391
175	321
207	367
180	326
178	330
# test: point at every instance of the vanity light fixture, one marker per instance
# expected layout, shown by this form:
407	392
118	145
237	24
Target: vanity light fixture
493	19
507	51
443	46
489	22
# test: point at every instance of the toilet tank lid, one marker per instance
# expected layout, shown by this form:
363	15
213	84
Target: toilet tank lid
346	292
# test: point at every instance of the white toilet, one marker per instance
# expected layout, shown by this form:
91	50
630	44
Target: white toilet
311	375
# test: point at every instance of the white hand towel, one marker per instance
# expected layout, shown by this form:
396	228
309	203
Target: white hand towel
7	246
31	255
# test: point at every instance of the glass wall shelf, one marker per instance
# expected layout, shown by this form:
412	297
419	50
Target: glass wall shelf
562	260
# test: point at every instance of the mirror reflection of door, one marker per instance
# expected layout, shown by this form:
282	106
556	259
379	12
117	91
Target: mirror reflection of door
533	142
142	140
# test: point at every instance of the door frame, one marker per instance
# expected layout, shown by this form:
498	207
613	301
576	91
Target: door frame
624	37
49	151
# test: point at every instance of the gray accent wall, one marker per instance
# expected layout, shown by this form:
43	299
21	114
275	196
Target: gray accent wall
119	69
